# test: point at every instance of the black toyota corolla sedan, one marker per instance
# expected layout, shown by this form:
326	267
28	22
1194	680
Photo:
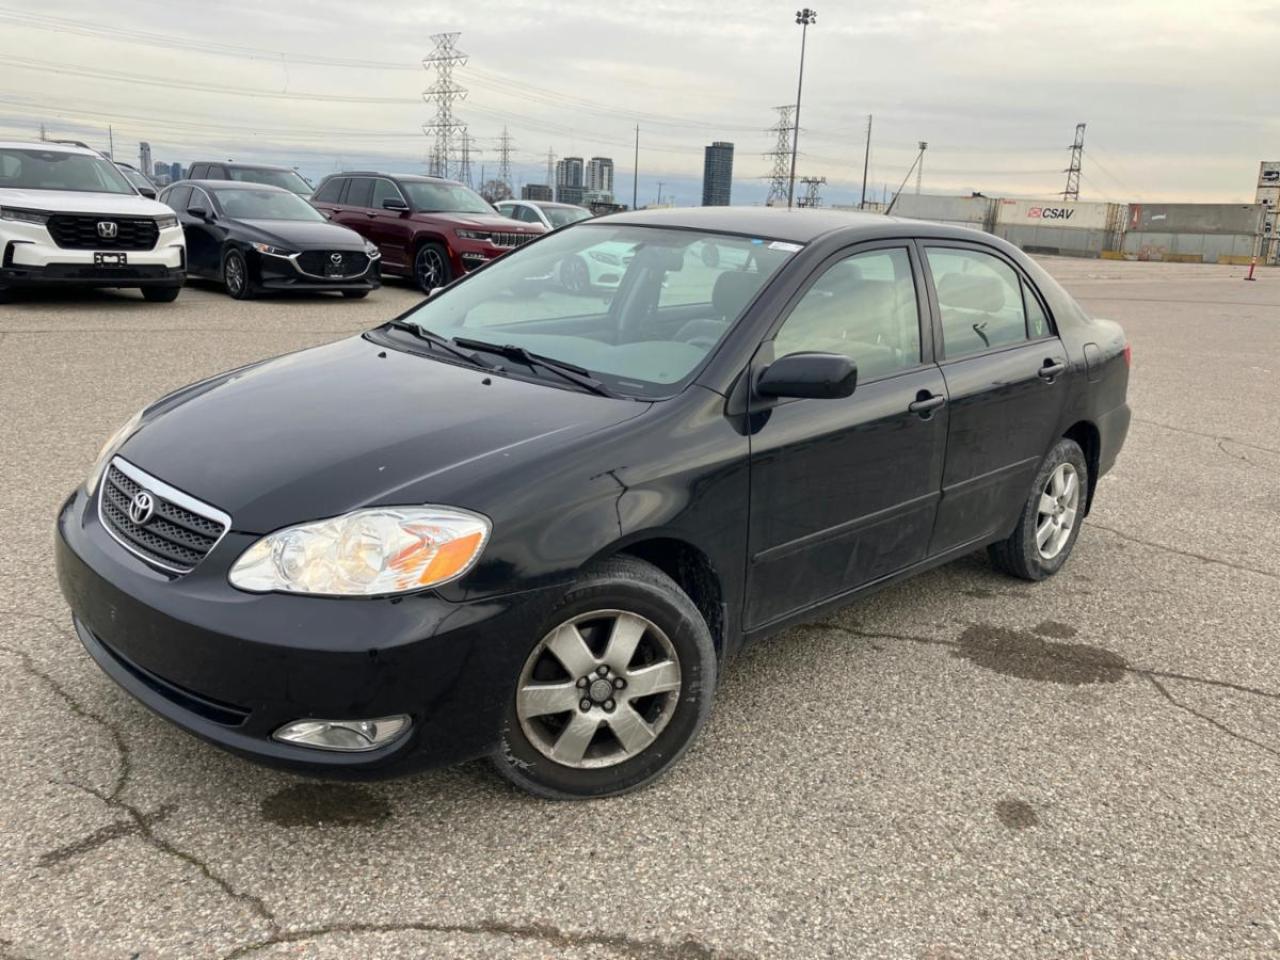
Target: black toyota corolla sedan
535	525
252	237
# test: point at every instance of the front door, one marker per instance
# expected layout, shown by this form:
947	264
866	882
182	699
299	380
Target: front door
844	492
204	236
391	230
1007	379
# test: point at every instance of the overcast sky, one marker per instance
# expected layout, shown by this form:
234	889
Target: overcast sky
1179	95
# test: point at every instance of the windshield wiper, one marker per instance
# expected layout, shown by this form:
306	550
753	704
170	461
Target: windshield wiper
443	343
566	371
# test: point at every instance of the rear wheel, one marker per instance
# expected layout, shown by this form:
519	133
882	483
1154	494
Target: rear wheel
574	275
1051	517
616	687
235	275
161	294
431	267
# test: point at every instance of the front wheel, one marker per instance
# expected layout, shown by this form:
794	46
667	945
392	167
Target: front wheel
235	276
615	688
160	294
575	276
431	267
1051	517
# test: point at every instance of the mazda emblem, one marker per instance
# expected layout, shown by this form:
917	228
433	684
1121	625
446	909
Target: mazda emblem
141	507
108	229
335	259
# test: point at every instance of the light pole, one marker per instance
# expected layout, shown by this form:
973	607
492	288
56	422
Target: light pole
804	18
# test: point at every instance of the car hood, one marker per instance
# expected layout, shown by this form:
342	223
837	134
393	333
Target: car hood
81	201
486	221
318	433
304	234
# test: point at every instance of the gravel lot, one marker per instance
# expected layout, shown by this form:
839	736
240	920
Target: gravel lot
964	766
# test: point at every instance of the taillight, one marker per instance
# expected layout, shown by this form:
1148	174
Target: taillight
1128	355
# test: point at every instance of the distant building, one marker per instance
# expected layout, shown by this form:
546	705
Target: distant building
144	158
717	174
537	191
176	172
569	180
599	178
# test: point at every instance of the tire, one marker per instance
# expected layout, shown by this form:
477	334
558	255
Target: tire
611	603
160	294
235	276
431	267
1051	518
575	275
355	294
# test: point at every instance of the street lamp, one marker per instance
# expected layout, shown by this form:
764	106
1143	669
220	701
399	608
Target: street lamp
803	18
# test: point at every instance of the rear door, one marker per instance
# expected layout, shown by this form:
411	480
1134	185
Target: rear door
844	492
356	209
1006	373
326	198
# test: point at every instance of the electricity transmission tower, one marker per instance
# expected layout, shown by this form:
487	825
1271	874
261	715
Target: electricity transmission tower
811	198
466	150
779	177
442	59
504	158
1072	192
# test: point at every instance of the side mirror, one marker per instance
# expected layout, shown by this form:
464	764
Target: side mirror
200	213
818	376
148	192
394	203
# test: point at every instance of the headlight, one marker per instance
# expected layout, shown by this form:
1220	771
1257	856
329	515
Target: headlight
608	258
164	223
474	234
371	250
366	553
108	451
26	216
272	251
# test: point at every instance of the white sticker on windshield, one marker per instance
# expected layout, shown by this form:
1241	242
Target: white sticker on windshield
781	245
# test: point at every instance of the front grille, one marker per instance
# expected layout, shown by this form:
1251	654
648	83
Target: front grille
75	232
316	262
175	538
512	239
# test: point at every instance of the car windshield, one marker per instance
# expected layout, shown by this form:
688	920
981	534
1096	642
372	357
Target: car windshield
563	216
248	204
430	197
288	179
36	169
639	308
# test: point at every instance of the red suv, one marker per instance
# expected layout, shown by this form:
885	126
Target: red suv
430	229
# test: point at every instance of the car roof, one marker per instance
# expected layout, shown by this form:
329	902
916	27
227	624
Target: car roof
242	165
48	145
415	177
230	185
799	225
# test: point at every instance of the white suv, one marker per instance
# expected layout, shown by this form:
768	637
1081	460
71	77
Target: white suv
69	216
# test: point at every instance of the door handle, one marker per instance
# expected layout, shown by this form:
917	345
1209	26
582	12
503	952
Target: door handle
1051	369
925	403
370	214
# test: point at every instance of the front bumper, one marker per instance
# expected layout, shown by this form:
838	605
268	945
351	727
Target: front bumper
233	667
283	273
29	257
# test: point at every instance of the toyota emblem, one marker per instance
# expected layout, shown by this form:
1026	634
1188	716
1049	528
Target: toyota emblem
141	507
108	229
335	259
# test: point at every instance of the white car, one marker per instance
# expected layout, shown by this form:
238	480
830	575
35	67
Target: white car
68	216
553	216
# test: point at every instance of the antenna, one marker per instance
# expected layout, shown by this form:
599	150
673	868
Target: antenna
1072	192
443	58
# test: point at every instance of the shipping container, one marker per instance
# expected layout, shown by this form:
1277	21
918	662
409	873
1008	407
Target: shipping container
976	212
1233	219
1058	241
1189	247
1073	214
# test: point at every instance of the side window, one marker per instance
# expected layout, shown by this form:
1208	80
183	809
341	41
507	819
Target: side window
360	193
218	172
504	208
528	215
385	190
1037	322
197	171
864	307
980	298
329	191
178	199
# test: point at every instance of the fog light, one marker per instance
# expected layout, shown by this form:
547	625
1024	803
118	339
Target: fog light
347	735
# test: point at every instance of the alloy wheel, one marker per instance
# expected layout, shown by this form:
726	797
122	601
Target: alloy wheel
1057	510
233	273
429	268
598	689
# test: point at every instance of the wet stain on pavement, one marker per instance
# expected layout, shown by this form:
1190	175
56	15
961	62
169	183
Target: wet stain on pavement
1017	814
324	805
1016	653
1052	628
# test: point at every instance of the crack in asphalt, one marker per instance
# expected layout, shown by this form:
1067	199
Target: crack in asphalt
1207	436
1164	692
688	949
1204	558
104	835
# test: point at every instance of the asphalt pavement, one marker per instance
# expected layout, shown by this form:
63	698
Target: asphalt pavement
963	766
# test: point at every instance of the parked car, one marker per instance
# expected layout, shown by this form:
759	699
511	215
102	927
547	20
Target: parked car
68	216
501	526
274	176
428	229
550	215
139	180
251	238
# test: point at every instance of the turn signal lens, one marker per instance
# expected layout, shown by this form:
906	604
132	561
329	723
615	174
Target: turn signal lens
373	552
1128	355
346	735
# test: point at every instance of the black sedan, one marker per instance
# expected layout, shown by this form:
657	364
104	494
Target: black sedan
253	237
536	525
